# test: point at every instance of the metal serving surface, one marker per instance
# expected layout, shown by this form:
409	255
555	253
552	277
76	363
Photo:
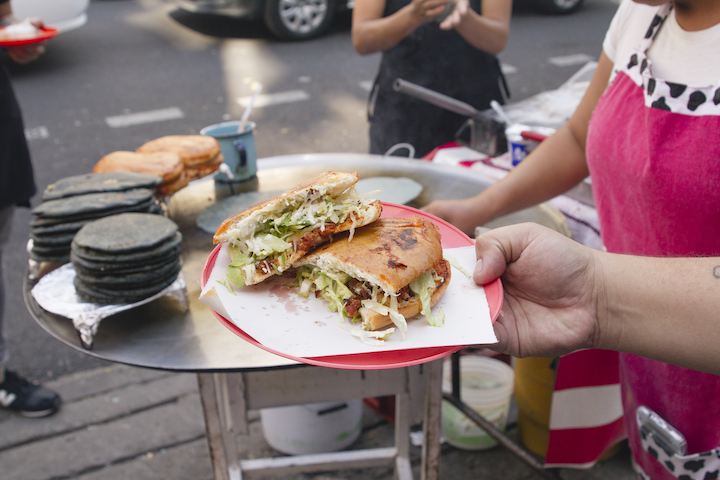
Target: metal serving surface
160	335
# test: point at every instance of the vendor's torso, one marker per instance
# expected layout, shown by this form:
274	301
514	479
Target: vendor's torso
440	60
654	156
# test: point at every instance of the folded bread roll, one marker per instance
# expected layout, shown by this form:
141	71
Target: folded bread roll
267	238
204	169
166	165
192	149
172	187
392	270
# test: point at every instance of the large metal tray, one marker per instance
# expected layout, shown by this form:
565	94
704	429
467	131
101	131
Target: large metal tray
161	335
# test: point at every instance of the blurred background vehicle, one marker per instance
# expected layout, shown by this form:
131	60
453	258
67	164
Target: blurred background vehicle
286	19
305	19
65	15
557	6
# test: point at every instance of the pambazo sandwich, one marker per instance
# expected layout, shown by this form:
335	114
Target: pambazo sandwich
391	271
267	238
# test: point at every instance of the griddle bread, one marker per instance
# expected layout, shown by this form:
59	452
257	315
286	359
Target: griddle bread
168	188
327	183
301	217
192	149
166	165
204	169
390	253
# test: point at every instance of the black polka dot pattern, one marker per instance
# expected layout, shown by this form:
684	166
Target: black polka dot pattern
697	98
669	96
698	466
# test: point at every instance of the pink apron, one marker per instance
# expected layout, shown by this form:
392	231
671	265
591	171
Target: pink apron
653	150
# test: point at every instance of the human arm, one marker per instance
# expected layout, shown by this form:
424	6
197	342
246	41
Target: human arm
553	168
487	30
561	296
371	32
22	53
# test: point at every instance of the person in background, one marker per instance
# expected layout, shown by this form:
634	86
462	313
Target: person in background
648	132
17	186
455	57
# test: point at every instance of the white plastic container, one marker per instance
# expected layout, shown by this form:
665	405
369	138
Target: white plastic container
520	147
486	386
312	428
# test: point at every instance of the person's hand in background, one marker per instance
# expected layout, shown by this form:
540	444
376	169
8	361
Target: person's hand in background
460	9
26	53
425	11
464	214
21	53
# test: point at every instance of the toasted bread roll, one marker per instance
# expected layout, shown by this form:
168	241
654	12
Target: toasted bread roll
166	165
204	169
384	268
273	234
192	149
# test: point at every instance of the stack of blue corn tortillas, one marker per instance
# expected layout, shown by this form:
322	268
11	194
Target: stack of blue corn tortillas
125	258
71	202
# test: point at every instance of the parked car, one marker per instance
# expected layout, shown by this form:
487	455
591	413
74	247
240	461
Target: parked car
558	6
286	19
303	19
65	15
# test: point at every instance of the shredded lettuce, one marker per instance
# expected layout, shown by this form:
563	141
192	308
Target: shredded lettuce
234	271
331	284
271	239
394	315
263	246
453	261
226	283
235	275
237	257
423	286
369	337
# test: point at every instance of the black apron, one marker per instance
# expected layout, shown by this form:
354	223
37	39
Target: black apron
442	61
17	183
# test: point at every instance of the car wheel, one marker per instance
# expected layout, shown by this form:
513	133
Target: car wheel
559	6
299	19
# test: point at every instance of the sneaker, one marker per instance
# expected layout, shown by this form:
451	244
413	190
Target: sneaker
26	398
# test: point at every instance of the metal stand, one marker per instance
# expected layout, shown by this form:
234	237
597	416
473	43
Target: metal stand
227	397
489	427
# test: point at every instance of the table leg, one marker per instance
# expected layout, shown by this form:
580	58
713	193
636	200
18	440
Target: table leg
430	463
403	469
217	409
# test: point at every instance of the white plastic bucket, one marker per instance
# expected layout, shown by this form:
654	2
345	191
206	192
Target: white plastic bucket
486	386
312	428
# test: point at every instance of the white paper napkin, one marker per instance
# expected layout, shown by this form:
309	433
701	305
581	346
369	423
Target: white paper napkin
280	319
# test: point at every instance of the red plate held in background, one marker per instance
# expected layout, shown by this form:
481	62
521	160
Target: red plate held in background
45	33
451	237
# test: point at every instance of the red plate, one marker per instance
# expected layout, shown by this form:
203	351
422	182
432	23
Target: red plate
451	237
46	33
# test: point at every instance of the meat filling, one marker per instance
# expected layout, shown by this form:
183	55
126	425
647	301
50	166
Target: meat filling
363	290
304	244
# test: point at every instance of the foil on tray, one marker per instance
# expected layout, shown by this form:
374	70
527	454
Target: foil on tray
56	294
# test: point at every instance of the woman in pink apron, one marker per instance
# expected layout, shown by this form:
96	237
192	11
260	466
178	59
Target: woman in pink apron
648	132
